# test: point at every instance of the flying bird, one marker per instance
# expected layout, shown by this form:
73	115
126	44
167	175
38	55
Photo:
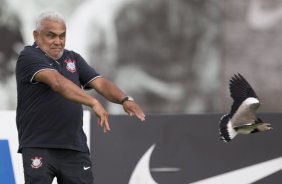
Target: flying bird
242	118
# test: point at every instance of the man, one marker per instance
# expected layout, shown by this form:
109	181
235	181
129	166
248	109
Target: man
49	112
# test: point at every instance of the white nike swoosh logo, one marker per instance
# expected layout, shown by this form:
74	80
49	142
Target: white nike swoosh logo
86	168
259	18
165	169
141	174
246	175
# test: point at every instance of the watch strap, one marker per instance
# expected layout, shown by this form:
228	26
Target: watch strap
127	98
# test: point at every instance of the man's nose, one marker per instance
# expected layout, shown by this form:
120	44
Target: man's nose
58	40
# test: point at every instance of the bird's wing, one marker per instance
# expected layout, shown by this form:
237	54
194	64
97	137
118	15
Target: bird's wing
245	114
240	91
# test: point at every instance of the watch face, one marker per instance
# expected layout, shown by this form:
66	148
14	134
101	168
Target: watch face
130	98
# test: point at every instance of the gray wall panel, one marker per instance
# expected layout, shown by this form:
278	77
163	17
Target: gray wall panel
188	145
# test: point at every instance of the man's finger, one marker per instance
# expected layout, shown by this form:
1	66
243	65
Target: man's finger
106	126
100	122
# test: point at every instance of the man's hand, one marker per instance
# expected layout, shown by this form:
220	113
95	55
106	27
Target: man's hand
103	116
133	109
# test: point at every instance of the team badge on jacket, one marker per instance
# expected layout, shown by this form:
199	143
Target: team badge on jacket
70	65
36	162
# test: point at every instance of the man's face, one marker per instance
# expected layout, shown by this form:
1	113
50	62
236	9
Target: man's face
51	39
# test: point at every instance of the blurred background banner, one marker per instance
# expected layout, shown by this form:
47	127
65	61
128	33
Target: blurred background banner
6	166
173	56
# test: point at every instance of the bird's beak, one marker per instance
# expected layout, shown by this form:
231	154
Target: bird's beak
268	126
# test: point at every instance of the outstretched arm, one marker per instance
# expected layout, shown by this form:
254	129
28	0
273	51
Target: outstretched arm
72	92
112	93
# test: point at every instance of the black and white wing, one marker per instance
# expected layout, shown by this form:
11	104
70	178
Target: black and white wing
245	101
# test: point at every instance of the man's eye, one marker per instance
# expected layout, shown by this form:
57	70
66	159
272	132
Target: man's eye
50	35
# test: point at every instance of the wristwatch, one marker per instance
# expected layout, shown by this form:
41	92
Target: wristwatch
127	98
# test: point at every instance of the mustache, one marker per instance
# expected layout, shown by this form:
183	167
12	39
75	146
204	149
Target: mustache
57	48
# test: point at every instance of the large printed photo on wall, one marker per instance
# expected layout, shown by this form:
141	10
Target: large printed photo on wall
173	56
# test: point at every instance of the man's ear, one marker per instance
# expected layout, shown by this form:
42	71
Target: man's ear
35	34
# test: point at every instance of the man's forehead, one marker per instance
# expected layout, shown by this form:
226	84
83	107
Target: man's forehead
54	26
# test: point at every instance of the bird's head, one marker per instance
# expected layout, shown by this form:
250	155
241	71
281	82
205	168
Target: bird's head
264	127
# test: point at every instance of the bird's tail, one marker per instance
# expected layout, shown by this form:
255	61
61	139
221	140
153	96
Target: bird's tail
226	131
